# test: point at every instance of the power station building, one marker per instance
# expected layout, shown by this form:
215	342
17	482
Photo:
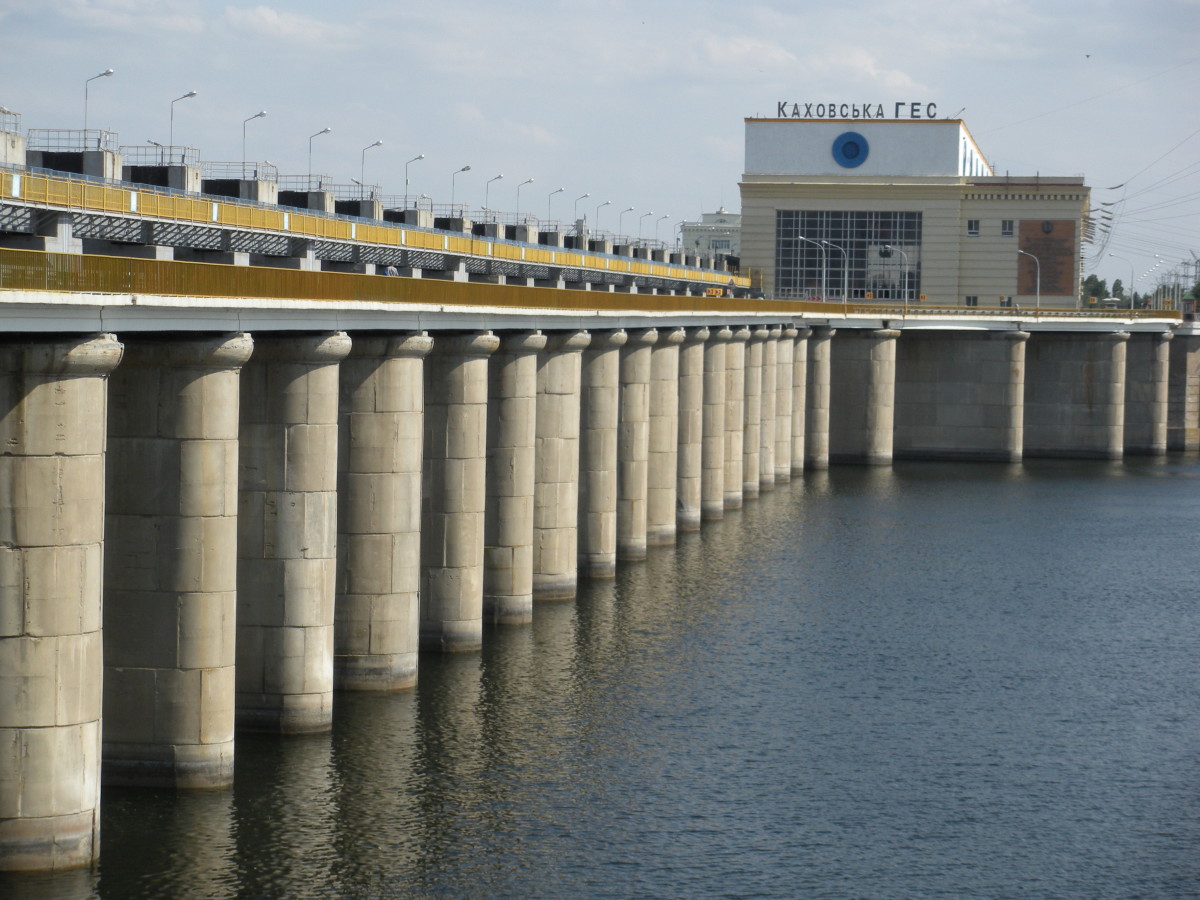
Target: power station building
903	209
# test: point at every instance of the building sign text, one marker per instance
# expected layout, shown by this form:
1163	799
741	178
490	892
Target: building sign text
901	109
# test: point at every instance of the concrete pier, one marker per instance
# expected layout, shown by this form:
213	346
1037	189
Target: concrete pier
511	440
381	436
752	413
960	395
633	444
1075	395
689	474
556	490
1147	366
600	414
287	533
170	562
1183	393
862	396
51	549
800	398
735	412
454	491
785	393
663	471
712	473
818	398
768	405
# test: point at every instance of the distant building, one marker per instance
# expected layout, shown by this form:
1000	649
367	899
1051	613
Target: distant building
884	209
716	234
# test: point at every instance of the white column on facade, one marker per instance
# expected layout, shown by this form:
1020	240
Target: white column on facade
712	453
784	403
663	470
512	438
454	491
633	444
556	491
752	412
170	562
816	432
689	475
287	532
51	559
381	436
735	424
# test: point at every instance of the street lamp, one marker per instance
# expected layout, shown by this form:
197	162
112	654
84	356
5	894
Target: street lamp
640	218
598	208
362	168
453	176
658	222
551	194
577	199
621	220
824	264
324	130
904	274
486	187
1038	280
519	186
171	134
1123	259
845	271
416	158
160	149
105	74
257	115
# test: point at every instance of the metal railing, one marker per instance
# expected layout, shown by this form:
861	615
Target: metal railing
71	140
247	171
159	155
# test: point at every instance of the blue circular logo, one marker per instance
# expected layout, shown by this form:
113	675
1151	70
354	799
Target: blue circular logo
850	149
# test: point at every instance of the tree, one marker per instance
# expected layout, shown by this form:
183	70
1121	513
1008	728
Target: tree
1093	287
1118	288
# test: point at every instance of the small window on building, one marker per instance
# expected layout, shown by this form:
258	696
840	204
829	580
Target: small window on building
972	300
720	245
973	227
1006	227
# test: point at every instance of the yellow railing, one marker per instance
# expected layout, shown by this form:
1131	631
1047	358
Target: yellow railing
143	200
30	270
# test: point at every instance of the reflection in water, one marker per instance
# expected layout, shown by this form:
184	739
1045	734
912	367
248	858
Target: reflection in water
958	680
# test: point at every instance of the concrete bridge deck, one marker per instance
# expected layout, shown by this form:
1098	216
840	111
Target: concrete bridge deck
227	491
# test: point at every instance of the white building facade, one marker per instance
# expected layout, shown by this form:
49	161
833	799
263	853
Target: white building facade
903	209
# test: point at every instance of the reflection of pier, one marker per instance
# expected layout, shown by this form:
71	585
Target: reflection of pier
281	483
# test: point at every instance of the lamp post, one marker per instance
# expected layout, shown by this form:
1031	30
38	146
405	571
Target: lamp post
453	176
160	149
658	222
845	271
362	168
621	220
416	158
105	74
577	199
1038	281
1123	259
486	187
641	218
548	196
904	274
171	133
598	208
324	130
257	115
824	264
519	186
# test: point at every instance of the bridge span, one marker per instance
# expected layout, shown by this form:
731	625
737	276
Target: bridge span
229	492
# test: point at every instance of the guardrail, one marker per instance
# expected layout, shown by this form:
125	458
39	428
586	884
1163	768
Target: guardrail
124	198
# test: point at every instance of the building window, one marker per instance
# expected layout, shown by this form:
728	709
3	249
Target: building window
972	300
973	227
1006	227
832	254
720	245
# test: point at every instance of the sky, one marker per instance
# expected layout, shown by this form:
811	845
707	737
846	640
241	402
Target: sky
637	103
